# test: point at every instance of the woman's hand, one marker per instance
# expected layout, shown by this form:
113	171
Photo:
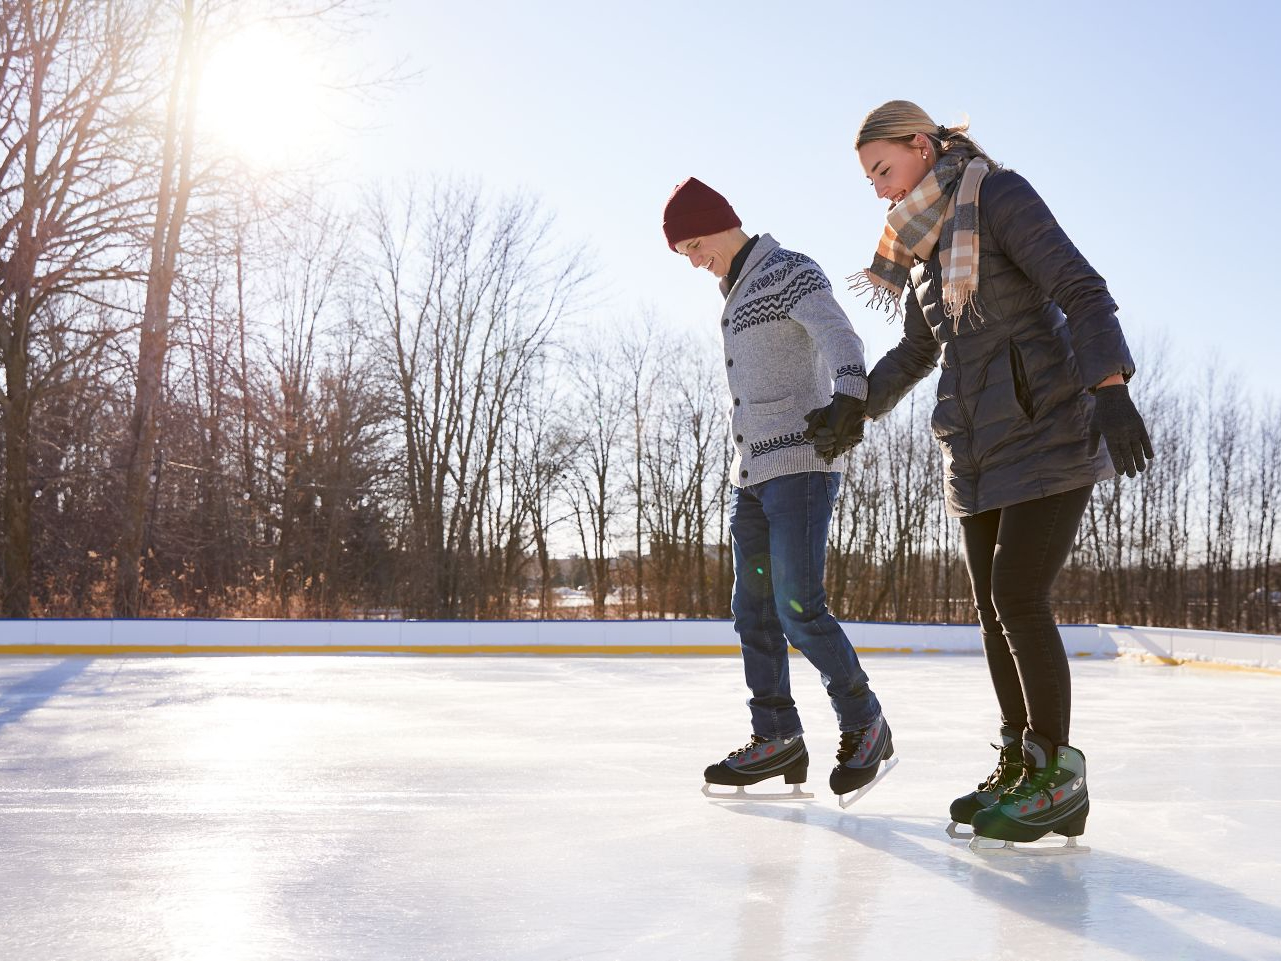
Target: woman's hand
1118	422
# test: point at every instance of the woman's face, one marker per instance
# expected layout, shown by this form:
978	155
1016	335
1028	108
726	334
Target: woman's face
895	168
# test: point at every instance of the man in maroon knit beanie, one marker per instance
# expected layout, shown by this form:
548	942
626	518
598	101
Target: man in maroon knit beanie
788	348
694	210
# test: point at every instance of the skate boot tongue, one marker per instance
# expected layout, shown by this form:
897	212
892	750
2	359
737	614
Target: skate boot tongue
1038	754
1010	765
1009	736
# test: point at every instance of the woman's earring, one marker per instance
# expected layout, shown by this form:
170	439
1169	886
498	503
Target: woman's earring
924	155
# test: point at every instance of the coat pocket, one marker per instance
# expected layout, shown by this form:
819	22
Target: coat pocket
765	408
1022	393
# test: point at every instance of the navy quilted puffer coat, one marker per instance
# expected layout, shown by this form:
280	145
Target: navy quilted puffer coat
1014	406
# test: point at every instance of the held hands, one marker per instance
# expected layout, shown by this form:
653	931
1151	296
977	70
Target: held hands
1118	422
836	428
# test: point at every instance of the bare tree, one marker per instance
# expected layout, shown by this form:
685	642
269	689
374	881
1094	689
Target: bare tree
542	454
1264	496
468	294
686	436
76	399
592	482
192	27
67	73
639	357
1225	423
173	195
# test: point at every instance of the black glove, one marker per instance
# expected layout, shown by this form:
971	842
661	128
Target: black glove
1118	422
836	428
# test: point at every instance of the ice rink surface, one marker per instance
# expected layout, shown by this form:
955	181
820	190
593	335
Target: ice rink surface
237	808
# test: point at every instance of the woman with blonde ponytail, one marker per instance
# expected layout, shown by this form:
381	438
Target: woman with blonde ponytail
1032	412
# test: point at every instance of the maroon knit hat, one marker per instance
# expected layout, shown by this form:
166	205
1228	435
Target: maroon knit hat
696	210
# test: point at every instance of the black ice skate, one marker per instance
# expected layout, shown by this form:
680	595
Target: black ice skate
759	760
859	760
1009	769
1051	798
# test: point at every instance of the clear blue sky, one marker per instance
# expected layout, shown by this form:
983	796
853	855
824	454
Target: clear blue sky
1151	129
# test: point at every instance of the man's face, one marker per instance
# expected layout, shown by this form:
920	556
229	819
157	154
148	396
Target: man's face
714	252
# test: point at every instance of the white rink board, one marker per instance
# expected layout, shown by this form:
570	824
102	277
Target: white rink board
456	808
1167	643
561	637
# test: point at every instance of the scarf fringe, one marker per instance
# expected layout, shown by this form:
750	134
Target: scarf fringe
930	217
957	298
879	293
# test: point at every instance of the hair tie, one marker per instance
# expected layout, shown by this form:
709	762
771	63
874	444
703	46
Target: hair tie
943	133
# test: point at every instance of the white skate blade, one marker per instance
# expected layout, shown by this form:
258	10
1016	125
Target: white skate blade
991	847
954	831
845	800
796	794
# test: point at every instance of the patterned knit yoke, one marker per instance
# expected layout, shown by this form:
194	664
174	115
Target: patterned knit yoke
788	345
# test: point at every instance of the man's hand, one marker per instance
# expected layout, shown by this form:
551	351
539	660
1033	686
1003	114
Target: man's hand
836	428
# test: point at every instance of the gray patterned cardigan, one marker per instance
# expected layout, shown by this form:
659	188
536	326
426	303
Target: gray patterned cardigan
787	341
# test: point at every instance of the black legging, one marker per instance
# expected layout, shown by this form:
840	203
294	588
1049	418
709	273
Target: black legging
1013	555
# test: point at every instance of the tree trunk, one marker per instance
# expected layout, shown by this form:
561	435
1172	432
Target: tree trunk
17	485
171	212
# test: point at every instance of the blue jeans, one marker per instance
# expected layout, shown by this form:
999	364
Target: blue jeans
779	529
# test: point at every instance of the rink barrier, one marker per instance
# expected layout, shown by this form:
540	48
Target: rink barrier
42	637
1208	649
708	637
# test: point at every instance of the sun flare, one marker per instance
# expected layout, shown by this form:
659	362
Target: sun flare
262	97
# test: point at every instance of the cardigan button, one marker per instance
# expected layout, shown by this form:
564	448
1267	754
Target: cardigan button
739	438
737	402
730	362
744	473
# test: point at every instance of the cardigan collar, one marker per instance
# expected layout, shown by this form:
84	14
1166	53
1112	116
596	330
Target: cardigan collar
763	247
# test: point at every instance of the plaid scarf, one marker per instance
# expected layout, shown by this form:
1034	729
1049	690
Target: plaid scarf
942	211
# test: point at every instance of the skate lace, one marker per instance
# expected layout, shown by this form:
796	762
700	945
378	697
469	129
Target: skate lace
850	741
1006	767
755	742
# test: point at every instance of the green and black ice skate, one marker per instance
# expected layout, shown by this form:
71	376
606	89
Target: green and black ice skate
1051	798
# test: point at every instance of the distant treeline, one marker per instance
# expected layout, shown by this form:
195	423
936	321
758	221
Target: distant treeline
226	398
